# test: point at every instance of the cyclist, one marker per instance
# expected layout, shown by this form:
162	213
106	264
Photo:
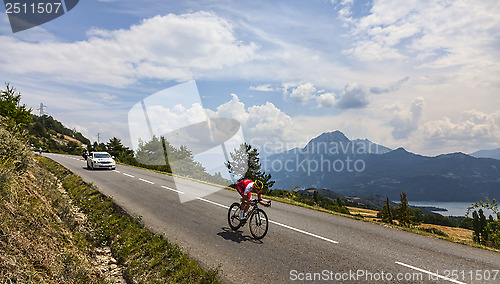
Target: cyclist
85	153
245	188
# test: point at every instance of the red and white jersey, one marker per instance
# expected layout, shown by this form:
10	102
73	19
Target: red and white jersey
245	187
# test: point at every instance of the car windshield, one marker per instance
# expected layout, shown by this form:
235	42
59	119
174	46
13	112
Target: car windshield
102	156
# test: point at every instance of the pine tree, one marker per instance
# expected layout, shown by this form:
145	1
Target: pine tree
315	197
387	212
405	217
483	227
339	201
12	109
245	164
476	227
151	152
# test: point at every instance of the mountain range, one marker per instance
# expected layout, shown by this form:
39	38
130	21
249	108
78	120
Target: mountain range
493	154
361	167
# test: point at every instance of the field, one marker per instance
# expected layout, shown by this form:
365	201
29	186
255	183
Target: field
456	234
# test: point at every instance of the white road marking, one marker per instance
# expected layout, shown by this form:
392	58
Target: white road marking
117	171
435	275
304	232
174	190
214	203
150	182
128	175
277	223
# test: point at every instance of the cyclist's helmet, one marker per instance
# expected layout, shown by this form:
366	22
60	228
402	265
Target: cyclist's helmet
258	185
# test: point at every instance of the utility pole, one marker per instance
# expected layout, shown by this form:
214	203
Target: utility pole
98	136
41	109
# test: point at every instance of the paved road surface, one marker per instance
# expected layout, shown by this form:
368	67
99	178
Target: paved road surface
300	242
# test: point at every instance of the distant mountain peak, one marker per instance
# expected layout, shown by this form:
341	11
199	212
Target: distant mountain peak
493	154
459	155
401	152
335	136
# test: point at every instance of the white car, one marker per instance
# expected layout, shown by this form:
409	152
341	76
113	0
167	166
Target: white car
100	160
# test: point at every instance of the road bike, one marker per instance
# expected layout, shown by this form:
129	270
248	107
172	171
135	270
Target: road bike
257	218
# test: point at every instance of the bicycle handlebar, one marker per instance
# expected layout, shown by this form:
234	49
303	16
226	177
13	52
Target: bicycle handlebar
256	201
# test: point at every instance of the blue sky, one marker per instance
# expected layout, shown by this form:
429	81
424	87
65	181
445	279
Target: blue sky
418	74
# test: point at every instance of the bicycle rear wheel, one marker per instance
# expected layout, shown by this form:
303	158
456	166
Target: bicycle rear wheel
233	216
259	224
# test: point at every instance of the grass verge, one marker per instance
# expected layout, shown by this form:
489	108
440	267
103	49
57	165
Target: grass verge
144	256
40	240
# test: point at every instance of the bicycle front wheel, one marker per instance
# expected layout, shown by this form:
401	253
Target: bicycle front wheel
259	224
233	216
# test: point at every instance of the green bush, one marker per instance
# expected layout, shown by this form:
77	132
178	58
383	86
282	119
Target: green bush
435	231
15	156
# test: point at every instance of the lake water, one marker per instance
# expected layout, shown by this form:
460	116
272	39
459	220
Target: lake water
454	208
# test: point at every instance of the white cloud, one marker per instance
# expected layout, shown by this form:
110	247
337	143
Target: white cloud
326	100
406	120
472	125
302	93
233	109
262	88
171	47
353	96
260	123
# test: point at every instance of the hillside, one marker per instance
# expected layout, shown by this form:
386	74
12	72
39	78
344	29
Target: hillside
350	169
51	135
37	238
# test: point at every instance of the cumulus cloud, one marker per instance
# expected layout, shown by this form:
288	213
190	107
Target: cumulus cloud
302	93
472	125
406	120
353	96
231	109
326	100
260	123
171	47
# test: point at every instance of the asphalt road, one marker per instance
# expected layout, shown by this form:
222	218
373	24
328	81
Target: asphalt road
301	244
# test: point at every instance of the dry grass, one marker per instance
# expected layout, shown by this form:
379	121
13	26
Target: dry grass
42	237
454	234
36	239
367	213
457	234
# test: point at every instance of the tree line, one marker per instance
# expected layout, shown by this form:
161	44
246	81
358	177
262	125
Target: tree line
486	231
